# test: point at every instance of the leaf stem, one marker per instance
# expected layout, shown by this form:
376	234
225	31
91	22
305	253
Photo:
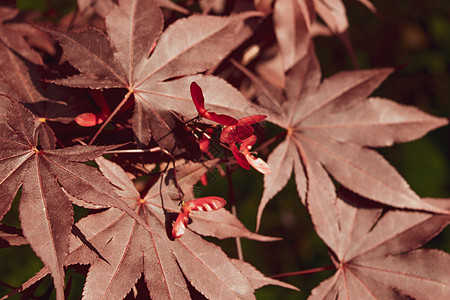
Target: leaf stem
271	140
121	104
330	267
150	150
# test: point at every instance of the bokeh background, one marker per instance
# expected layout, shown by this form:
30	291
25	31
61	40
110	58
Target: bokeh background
414	34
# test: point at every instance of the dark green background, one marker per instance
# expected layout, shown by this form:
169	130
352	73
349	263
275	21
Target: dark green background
412	32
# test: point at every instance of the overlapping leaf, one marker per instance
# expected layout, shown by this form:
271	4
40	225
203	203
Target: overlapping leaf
334	15
293	32
330	125
376	253
159	79
126	250
15	79
295	19
332	122
103	7
20	80
45	210
11	236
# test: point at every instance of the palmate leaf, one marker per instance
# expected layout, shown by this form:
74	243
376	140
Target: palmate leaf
376	253
329	125
159	79
45	210
126	250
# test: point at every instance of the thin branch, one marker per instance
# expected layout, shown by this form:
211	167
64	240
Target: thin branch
121	104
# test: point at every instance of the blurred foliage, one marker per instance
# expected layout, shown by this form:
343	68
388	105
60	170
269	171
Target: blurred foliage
412	35
50	8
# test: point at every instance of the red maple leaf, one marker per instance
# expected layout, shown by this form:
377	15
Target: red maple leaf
375	252
45	176
139	57
330	125
158	80
127	251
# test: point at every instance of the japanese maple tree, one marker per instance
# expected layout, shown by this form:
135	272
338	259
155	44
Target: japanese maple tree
115	117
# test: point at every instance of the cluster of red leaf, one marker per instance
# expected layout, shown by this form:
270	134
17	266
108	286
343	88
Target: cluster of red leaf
136	78
235	131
